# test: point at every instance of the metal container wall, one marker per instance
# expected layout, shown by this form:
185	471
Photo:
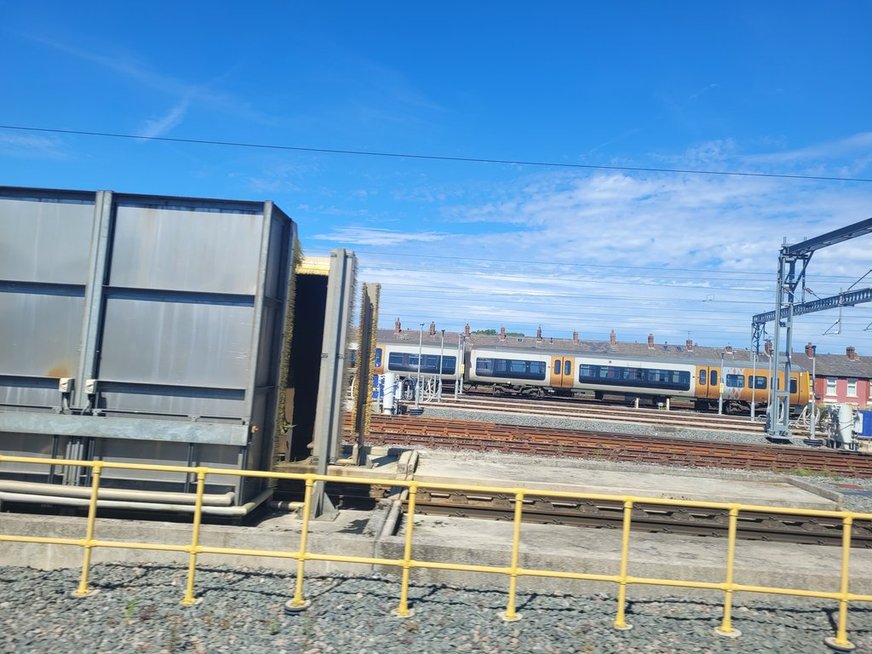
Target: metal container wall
141	328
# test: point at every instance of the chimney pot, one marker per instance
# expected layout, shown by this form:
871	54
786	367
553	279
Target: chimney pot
397	327
575	337
539	333
466	330
432	328
688	344
502	333
851	353
650	341
613	339
810	350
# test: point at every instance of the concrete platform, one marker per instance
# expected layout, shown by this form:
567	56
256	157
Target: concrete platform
587	477
380	534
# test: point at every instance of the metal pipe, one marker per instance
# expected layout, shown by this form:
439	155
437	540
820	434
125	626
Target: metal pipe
55	490
231	511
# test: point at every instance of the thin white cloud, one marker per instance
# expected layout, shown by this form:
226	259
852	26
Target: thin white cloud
377	237
163	125
36	146
132	69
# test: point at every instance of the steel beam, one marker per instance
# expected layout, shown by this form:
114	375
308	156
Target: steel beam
830	238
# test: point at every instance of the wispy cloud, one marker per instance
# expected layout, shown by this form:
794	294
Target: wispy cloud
24	145
676	255
377	237
131	68
160	126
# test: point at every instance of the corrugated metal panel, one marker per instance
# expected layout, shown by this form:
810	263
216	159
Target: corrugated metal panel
168	313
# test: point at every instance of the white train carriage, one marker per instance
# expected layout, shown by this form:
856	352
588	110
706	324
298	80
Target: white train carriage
402	359
517	371
634	377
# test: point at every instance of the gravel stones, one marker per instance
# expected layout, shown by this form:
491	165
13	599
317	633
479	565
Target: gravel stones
137	610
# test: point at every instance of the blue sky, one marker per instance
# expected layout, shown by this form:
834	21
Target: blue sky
774	88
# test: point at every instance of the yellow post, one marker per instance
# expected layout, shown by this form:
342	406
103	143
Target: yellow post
83	589
726	628
403	611
298	603
841	643
620	622
189	599
510	615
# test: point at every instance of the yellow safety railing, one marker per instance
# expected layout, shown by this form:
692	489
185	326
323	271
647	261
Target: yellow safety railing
623	579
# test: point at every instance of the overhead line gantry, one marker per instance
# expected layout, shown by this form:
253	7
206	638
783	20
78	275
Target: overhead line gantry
789	279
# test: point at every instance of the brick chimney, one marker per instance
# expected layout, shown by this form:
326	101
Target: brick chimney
688	345
767	347
810	350
650	341
397	327
613	340
432	328
466	331
851	353
575	338
539	333
502	333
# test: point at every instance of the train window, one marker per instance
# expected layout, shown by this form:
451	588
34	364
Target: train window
734	381
713	378
558	366
758	382
793	386
655	378
702	377
378	357
404	362
511	369
567	367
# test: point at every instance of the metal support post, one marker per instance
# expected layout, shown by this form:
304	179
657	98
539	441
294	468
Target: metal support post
441	369
721	388
418	378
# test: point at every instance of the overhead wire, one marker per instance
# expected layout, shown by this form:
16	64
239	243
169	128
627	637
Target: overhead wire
431	157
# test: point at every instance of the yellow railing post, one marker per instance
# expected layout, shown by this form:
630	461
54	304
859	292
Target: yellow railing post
298	603
620	622
83	589
726	628
403	610
510	615
189	598
841	643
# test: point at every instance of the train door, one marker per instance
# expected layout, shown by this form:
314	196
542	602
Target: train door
561	372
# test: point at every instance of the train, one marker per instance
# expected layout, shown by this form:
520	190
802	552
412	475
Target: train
539	372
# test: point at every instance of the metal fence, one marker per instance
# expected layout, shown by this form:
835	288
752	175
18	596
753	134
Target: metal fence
513	571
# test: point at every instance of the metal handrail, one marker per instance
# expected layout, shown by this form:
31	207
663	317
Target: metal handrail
623	579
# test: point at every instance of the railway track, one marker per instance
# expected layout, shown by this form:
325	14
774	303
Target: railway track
651	518
565	408
541	441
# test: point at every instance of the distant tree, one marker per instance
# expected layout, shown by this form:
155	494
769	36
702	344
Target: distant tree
493	332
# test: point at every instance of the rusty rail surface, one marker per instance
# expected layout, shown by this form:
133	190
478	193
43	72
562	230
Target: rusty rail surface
542	441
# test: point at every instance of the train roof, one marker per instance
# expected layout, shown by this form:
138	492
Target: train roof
694	355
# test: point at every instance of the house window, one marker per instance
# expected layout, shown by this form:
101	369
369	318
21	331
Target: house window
852	387
831	387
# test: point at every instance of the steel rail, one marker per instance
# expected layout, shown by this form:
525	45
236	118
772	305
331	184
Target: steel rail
541	441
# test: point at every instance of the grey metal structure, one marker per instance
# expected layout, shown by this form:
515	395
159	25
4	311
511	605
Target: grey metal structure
327	437
142	329
788	280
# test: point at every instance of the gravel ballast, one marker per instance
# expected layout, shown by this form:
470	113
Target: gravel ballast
136	609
